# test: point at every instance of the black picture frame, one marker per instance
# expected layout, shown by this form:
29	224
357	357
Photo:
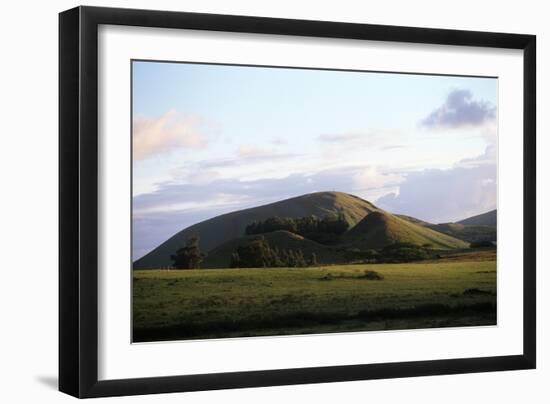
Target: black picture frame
78	201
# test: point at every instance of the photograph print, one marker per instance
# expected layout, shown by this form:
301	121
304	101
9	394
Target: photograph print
282	201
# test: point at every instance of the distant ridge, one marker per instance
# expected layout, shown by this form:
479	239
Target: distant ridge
484	219
476	228
223	228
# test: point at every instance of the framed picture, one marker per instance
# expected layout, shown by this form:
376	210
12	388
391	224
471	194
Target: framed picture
251	201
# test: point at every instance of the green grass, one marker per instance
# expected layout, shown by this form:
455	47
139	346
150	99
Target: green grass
183	304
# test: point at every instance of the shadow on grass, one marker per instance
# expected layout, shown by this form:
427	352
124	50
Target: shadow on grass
246	327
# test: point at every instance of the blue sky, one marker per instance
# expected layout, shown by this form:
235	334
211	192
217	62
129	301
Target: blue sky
208	139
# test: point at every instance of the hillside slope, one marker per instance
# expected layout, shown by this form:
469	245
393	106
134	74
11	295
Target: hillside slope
220	229
485	219
466	232
380	228
220	257
476	228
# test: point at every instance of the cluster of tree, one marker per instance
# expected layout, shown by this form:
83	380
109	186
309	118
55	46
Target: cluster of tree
402	252
259	254
325	230
481	243
189	256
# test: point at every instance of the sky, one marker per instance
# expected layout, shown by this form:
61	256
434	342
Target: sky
210	139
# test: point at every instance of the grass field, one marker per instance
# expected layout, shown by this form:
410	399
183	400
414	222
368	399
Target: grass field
214	303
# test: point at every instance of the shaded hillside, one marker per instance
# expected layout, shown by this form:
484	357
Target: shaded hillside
220	229
220	257
485	219
379	229
470	233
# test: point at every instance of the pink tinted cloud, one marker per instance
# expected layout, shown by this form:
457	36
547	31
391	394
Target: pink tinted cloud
154	135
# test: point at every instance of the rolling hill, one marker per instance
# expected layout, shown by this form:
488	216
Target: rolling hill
220	229
476	228
466	232
485	219
220	257
370	228
379	229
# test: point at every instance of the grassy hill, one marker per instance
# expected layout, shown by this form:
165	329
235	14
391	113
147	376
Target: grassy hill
220	257
485	219
476	228
414	220
466	232
370	228
220	229
380	228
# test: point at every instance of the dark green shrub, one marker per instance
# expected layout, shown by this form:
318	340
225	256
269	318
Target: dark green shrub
402	252
372	276
481	244
188	256
325	231
258	253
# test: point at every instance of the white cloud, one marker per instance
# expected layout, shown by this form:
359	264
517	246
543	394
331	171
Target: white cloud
278	140
445	195
153	135
339	137
249	153
248	150
489	157
372	177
